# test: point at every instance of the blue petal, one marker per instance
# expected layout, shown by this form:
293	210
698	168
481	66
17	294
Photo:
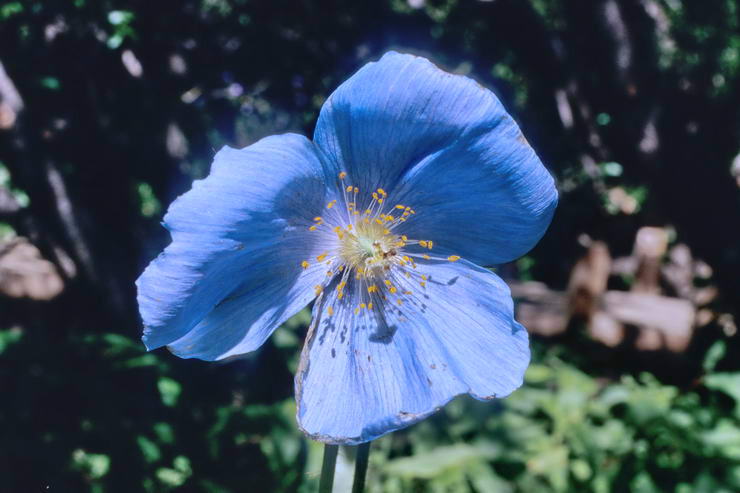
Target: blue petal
444	145
365	375
233	273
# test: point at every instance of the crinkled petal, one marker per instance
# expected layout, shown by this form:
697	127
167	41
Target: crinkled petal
445	146
367	374
233	273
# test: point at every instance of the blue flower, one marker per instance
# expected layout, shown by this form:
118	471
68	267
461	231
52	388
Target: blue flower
415	178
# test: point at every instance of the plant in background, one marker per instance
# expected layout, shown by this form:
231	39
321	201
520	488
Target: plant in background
415	179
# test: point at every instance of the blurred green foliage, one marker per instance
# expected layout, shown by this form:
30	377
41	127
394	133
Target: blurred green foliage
564	430
129	99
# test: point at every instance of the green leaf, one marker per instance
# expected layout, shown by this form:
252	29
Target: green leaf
715	353
95	466
170	390
728	383
439	461
149	449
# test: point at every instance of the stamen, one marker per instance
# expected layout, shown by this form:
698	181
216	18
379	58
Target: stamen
368	250
453	258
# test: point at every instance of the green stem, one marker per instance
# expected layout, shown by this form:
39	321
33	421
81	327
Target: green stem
326	483
363	454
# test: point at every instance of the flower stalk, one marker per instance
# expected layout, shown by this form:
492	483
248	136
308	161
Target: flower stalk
326	482
361	462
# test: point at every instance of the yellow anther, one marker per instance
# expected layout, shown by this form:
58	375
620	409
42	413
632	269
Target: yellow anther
341	268
375	196
341	286
357	311
393	290
304	264
423	243
356	190
349	227
404	238
423	284
318	218
356	213
386	231
370	306
399	301
331	204
366	221
329	273
363	306
321	257
378	221
312	228
407	258
399	206
349	188
318	290
380	201
453	258
389	218
388	283
340	295
426	257
372	289
330	311
431	244
407	293
382	192
342	175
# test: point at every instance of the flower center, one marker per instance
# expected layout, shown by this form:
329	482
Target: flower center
367	245
367	256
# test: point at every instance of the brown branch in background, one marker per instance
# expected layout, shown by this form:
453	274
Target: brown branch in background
11	102
662	322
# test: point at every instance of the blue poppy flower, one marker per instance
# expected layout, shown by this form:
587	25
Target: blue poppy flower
415	178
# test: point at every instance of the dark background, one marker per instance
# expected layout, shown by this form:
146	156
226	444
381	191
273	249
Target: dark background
109	110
